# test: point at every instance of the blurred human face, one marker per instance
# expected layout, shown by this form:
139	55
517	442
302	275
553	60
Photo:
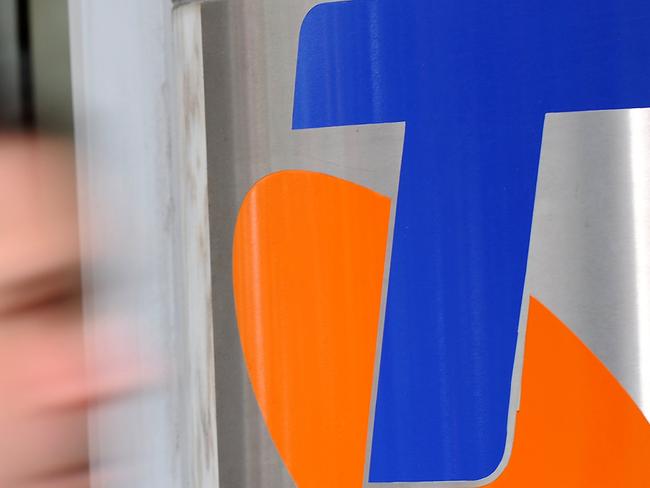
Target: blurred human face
47	381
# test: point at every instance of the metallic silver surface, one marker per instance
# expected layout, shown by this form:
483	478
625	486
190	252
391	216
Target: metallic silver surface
250	51
589	252
590	243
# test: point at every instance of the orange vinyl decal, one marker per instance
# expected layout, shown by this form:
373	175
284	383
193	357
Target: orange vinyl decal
309	252
577	427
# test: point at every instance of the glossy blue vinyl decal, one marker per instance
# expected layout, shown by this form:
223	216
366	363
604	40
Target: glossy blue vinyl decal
473	80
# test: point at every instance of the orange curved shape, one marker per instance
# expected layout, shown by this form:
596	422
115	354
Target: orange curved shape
577	427
308	267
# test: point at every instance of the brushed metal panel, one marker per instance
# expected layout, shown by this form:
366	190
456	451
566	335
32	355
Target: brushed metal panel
589	247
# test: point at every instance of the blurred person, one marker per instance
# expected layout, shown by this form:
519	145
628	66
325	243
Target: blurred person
48	382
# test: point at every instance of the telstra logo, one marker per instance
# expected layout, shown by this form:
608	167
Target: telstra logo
446	319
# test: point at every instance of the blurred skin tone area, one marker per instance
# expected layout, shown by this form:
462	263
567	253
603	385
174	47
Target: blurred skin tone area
48	381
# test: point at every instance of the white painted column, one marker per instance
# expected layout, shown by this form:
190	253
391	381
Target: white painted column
134	179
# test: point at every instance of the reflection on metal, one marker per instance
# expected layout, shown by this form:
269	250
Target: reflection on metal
589	249
639	121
